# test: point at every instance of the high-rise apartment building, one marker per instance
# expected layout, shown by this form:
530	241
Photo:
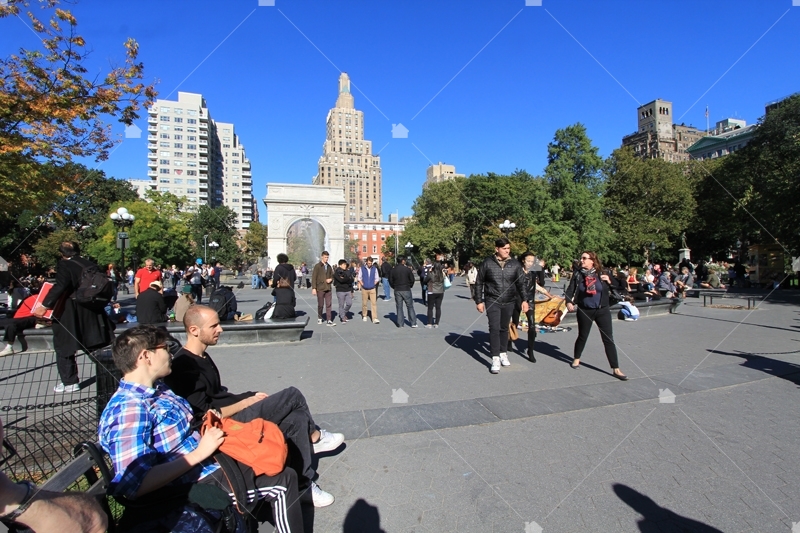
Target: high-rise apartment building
439	173
657	136
191	155
347	160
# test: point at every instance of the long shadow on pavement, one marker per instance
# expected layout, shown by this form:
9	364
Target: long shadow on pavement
768	365
554	352
658	519
362	518
476	345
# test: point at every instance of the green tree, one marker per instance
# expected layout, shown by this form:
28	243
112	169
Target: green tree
573	174
439	221
219	224
45	250
647	201
52	109
255	242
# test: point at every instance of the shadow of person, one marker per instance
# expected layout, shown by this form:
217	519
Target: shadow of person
657	519
475	345
768	365
554	352
362	518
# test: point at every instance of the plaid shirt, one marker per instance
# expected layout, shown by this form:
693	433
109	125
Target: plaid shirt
143	427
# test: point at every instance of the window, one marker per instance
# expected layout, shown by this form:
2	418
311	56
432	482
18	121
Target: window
235	161
191	130
164	127
374	249
177	119
234	154
191	138
191	182
164	136
191	121
191	163
178	137
164	171
165	189
178	111
235	184
191	155
163	119
178	154
191	191
165	110
374	236
226	145
178	163
191	112
364	237
163	161
365	249
226	138
178	181
165	154
191	173
177	145
383	237
191	147
235	200
178	128
163	144
162	180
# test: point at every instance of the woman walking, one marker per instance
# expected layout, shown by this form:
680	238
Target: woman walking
531	288
588	292
435	283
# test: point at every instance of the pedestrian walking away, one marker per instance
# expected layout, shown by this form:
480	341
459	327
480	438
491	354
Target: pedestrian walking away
401	279
386	271
588	293
434	280
321	279
501	281
368	278
343	280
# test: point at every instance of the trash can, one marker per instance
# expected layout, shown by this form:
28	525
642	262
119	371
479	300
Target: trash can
107	377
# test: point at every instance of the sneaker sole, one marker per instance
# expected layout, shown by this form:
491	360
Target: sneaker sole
329	447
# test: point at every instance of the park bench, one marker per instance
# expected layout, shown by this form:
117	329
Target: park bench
708	298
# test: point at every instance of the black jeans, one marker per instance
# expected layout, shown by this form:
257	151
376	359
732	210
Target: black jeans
197	292
531	329
401	297
16	329
499	317
289	410
435	301
603	318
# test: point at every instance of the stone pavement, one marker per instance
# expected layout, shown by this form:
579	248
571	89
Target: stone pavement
541	445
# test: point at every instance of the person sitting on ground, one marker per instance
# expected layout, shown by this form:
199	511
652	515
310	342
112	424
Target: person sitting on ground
184	302
196	378
683	281
712	281
285	300
24	504
149	433
150	305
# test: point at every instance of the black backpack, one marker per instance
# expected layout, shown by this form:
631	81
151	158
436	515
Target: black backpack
223	301
95	290
261	313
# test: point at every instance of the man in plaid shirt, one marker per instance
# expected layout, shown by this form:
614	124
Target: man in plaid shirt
146	429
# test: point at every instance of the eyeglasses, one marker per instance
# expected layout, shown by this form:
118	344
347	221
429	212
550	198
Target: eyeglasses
164	346
585	258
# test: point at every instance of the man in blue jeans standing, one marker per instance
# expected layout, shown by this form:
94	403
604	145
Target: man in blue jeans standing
386	271
402	280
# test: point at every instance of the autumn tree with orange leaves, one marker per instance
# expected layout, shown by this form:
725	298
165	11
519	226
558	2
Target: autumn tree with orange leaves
52	112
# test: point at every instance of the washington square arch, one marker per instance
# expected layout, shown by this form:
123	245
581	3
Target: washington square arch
303	220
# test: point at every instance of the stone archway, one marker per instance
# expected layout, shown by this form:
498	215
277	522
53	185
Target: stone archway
288	205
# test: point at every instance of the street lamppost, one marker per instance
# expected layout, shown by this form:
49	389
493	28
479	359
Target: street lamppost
122	219
506	227
205	248
213	245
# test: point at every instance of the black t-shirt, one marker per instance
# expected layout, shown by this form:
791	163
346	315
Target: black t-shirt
197	379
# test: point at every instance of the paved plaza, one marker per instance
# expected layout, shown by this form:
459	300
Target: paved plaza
543	447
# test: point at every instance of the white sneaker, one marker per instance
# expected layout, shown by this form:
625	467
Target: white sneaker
376	321
320	497
504	359
365	319
319	321
328	441
495	365
8	350
413	325
61	388
331	323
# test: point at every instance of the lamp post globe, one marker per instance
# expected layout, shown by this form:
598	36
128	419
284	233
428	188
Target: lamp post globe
123	220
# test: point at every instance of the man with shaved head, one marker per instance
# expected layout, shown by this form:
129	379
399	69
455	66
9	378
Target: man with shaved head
195	377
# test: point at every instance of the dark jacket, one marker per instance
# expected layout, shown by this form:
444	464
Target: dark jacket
286	271
501	284
386	269
150	307
343	279
576	291
78	327
197	379
434	279
401	278
319	275
285	302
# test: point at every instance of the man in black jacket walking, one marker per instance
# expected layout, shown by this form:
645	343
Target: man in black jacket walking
75	326
501	280
401	280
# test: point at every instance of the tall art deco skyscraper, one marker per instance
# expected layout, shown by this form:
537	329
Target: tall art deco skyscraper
347	160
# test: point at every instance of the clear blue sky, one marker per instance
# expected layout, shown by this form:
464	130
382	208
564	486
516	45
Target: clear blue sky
499	112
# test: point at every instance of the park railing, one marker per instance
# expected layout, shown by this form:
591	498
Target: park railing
43	428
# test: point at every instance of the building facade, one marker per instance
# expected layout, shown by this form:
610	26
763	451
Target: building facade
439	173
347	160
729	136
658	137
190	156
370	237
